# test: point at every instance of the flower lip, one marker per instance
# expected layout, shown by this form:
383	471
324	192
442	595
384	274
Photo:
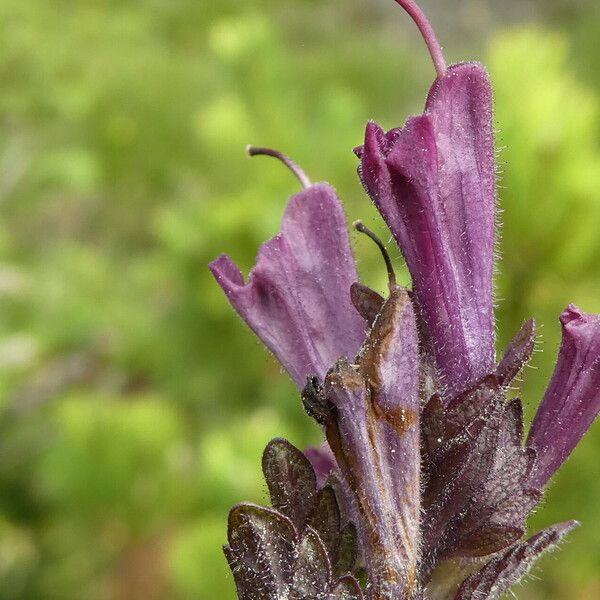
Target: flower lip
573	316
376	138
297	297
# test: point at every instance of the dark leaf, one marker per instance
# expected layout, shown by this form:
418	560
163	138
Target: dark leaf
347	588
291	481
348	551
261	551
249	582
510	438
325	520
312	571
489	539
473	403
432	425
476	492
462	465
496	577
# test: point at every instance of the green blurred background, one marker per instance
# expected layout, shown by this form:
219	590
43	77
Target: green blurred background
134	404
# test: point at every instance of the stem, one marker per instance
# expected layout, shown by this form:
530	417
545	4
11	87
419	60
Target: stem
288	162
418	16
359	226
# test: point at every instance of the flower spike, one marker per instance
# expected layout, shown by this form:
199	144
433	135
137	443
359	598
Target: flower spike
425	483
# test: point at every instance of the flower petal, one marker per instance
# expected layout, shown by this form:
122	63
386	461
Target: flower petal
572	399
297	299
434	183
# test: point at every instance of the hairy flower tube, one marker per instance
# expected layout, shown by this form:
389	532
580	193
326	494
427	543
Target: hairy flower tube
425	481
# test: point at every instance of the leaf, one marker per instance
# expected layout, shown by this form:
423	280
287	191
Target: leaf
496	577
459	471
348	552
476	492
488	539
312	571
432	425
473	403
347	588
326	521
291	481
261	551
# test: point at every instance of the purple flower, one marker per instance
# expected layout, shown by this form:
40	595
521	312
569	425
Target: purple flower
434	183
373	430
297	298
425	485
572	399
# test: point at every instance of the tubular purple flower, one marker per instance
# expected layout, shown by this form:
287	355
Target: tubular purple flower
434	183
297	298
374	435
572	400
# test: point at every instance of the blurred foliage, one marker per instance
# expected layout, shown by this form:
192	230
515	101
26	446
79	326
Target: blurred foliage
134	405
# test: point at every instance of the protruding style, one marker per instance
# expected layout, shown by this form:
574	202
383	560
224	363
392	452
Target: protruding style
359	226
421	21
286	160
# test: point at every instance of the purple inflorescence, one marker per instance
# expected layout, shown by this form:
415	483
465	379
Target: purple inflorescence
425	481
